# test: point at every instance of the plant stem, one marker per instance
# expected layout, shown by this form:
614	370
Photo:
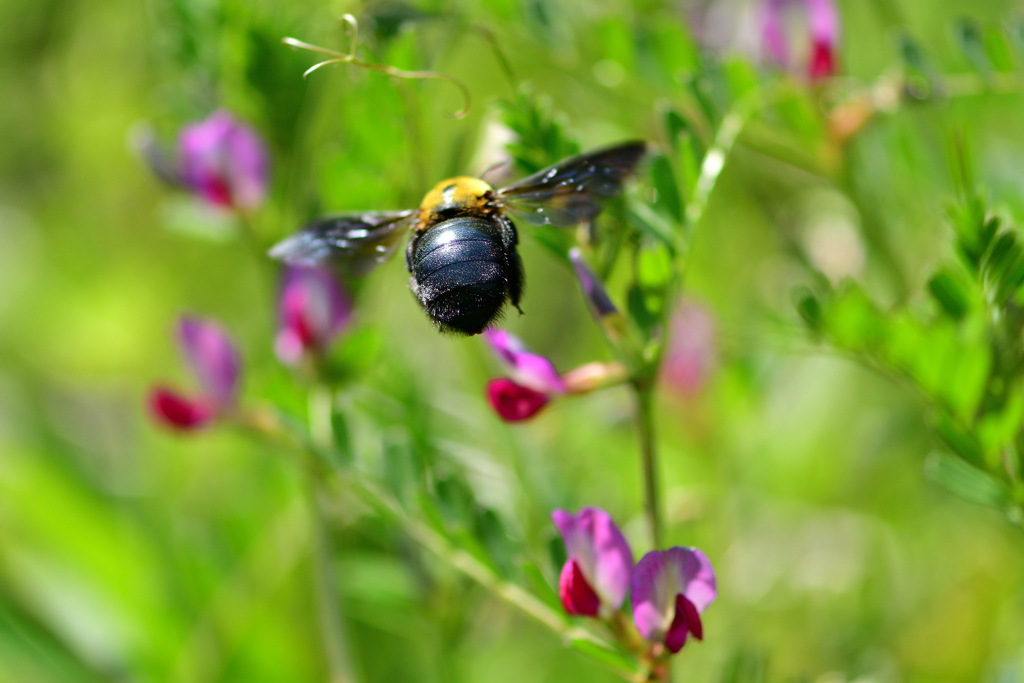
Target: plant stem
332	630
649	460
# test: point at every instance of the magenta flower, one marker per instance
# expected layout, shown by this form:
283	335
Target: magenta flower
823	24
215	362
692	351
671	589
596	576
224	161
526	368
313	311
535	381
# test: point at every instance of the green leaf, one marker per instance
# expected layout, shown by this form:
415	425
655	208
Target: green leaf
964	444
341	435
999	51
663	178
965	481
951	293
853	322
808	306
968	34
741	76
921	79
539	584
615	659
652	224
654	267
496	540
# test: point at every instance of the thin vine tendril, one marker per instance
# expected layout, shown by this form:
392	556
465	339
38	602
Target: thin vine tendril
352	27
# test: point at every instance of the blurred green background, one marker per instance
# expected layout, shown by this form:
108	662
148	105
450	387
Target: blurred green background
131	554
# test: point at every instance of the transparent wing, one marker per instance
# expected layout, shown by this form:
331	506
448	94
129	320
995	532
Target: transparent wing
356	242
572	190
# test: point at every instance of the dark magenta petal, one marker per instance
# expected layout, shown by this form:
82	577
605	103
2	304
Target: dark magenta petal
224	161
595	543
512	402
213	358
689	610
314	310
578	598
178	412
823	62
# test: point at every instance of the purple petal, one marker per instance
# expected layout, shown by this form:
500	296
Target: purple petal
527	369
593	289
597	545
659	578
213	358
314	310
225	161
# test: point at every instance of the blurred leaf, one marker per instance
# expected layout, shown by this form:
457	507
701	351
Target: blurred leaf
964	444
539	584
999	51
965	481
501	548
998	429
342	435
456	501
557	552
641	311
742	77
667	188
951	293
673	49
651	224
968	34
853	322
654	267
808	306
921	80
620	661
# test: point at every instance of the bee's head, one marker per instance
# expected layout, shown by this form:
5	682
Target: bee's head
456	193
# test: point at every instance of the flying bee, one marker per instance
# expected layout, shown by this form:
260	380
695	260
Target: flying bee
462	255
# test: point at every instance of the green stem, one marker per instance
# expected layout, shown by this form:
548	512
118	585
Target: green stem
649	461
332	630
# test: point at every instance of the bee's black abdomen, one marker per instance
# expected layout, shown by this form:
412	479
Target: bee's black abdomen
461	273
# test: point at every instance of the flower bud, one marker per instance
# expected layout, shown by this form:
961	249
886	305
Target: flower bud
670	590
224	161
313	311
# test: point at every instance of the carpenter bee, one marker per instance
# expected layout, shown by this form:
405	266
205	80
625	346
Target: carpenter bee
462	254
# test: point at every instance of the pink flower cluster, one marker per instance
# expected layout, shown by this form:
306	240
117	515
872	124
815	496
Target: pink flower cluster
670	589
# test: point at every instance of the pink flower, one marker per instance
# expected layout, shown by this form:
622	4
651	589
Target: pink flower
215	362
595	578
671	589
526	368
224	161
823	21
313	311
533	380
692	351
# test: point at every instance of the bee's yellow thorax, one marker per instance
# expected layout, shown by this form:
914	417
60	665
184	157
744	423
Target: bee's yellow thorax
455	193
